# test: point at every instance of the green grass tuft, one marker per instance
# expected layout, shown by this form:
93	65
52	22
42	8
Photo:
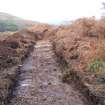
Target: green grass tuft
97	66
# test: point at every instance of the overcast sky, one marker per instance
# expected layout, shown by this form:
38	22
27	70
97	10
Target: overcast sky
52	11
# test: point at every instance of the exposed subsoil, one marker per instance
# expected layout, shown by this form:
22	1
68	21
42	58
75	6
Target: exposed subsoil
12	53
40	83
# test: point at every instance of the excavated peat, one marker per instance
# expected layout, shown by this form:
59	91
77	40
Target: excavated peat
40	84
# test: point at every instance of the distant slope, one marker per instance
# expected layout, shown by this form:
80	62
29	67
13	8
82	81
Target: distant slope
13	23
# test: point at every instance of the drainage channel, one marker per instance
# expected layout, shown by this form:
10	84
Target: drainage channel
39	81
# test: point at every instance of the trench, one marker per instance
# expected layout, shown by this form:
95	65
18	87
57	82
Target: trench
39	81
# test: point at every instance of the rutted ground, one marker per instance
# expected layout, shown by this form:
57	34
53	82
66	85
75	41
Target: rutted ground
40	84
13	49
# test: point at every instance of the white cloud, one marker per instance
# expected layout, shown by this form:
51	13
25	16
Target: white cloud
51	10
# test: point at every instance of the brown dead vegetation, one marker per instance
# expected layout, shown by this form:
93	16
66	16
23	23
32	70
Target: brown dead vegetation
82	46
42	31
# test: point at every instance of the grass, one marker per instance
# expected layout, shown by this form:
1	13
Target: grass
97	66
8	26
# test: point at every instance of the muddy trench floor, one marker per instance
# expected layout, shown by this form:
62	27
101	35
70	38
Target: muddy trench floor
39	81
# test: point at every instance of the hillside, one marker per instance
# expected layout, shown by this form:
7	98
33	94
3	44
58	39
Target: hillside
54	64
13	23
